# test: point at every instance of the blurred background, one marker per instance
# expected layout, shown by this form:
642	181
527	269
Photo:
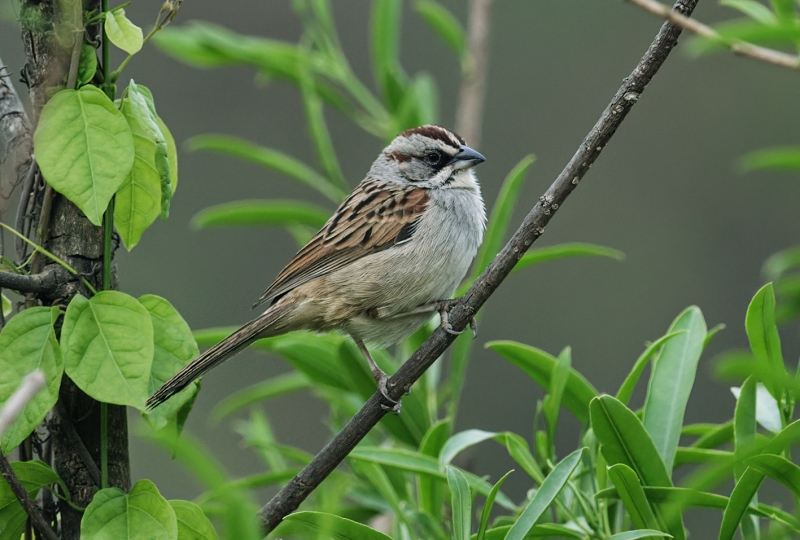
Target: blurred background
666	192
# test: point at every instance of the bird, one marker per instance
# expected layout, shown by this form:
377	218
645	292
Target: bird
390	257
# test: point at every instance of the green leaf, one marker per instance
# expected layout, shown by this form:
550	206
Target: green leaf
630	491
634	535
88	64
142	513
138	201
174	348
762	332
565	251
629	384
545	495
728	33
323	525
122	32
461	501
693	498
385	25
671	383
28	343
712	435
276	386
487	507
192	522
744	416
318	128
33	475
270	158
419	463
144	113
108	347
431	488
768	415
540	366
779	469
544	530
755	10
781	262
445	25
780	159
255	212
625	440
784	9
84	148
558	382
460	442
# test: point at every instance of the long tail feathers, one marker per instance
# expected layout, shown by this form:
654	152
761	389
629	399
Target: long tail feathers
217	354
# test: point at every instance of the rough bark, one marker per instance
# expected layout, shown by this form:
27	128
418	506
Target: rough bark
73	238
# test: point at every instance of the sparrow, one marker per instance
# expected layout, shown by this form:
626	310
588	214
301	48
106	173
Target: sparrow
389	258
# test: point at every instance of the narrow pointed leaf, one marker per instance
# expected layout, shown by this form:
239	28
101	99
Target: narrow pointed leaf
566	251
762	332
254	212
276	386
630	491
544	496
629	384
487	507
446	26
671	383
267	157
461	503
540	366
322	525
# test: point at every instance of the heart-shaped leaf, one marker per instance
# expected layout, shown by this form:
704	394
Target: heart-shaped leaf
28	343
108	347
84	148
174	348
142	513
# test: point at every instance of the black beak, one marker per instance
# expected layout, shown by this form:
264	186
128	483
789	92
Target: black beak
466	158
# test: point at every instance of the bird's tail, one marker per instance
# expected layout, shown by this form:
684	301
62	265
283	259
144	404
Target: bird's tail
217	354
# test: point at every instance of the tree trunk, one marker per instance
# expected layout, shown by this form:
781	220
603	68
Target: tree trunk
75	428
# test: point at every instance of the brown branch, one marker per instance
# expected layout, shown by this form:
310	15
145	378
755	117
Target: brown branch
29	387
469	114
289	498
46	282
771	56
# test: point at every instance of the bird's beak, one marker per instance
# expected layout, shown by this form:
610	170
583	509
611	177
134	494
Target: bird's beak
466	158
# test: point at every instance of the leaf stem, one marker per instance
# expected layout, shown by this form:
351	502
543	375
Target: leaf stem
103	444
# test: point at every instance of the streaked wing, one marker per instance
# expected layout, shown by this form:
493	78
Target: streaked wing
374	217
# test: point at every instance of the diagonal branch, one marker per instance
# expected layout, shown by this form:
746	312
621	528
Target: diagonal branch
289	498
771	56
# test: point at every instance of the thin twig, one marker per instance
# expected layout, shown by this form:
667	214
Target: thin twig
289	498
469	114
771	56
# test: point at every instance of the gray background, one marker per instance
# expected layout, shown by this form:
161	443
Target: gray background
665	191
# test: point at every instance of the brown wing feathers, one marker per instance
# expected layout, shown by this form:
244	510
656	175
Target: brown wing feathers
373	218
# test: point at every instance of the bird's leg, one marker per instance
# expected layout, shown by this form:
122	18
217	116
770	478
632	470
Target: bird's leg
380	377
442	307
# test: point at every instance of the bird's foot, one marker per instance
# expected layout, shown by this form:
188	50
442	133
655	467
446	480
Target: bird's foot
444	307
382	379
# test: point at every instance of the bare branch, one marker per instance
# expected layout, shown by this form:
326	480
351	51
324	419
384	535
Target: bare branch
771	56
289	498
473	89
47	282
31	384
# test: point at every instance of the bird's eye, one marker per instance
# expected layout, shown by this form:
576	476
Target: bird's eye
433	158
